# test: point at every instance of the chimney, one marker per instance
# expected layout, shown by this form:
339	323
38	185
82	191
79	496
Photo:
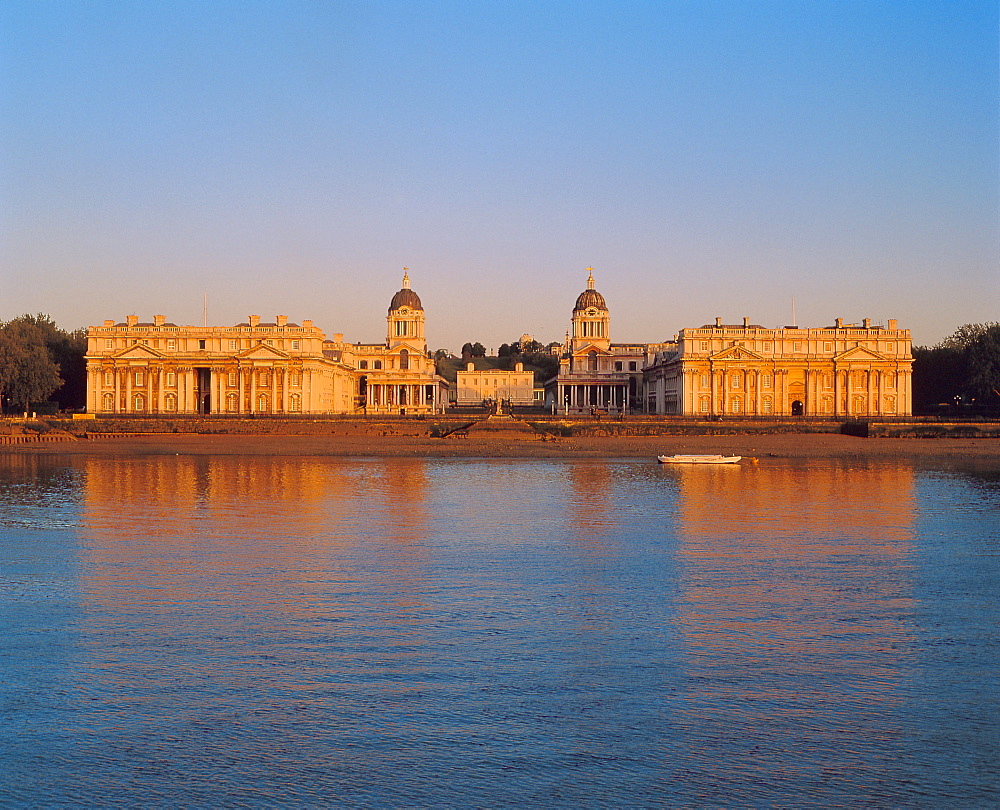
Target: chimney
519	367
159	320
868	323
470	366
109	322
307	324
718	321
338	337
892	323
281	320
131	320
746	323
255	320
840	323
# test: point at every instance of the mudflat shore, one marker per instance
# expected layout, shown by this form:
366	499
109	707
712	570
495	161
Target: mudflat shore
985	452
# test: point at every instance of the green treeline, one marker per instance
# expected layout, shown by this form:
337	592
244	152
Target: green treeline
961	372
40	363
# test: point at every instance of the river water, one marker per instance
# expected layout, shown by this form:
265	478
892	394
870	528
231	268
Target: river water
305	631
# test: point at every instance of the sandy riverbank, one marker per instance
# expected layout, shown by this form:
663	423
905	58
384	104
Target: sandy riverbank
983	451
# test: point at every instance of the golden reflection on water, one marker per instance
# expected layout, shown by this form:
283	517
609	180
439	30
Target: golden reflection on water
249	531
793	581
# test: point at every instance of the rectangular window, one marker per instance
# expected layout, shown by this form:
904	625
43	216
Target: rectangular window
828	347
363	364
202	344
172	344
232	379
109	378
704	345
140	378
765	380
296	344
269	342
631	367
767	347
109	343
735	381
797	347
704	381
378	364
171	379
618	366
234	345
703	405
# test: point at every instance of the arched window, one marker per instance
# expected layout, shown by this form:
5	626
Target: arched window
262	404
108	403
231	403
404	359
295	403
592	361
139	403
767	405
170	402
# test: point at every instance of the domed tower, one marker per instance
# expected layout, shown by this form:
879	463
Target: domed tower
406	319
591	319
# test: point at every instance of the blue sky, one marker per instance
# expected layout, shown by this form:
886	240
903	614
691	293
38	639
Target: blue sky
706	158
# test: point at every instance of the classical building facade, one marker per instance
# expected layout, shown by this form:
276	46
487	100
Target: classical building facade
596	375
262	368
473	387
839	371
398	376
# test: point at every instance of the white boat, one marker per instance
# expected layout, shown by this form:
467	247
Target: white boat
698	459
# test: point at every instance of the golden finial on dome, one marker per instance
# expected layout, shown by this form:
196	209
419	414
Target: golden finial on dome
590	278
406	278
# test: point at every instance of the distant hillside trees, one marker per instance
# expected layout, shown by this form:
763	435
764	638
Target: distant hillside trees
963	369
38	359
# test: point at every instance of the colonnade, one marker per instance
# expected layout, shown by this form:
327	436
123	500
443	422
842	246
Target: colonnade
831	391
581	397
398	397
180	389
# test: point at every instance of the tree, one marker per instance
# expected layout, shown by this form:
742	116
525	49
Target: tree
966	364
504	350
982	363
478	350
27	371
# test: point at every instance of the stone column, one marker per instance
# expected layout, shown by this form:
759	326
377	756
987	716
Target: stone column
836	390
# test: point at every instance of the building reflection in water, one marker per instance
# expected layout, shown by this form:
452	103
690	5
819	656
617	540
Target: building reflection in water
192	556
794	594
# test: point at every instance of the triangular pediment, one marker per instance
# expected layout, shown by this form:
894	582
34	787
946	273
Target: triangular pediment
859	354
583	351
262	352
137	351
737	353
